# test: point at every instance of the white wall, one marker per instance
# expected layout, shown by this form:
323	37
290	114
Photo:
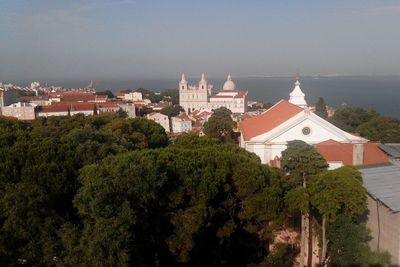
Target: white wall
385	229
179	126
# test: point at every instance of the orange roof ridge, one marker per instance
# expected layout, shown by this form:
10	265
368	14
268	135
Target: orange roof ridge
268	120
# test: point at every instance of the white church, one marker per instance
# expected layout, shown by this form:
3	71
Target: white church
267	134
200	96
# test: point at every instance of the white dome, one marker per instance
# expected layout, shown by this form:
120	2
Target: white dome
229	85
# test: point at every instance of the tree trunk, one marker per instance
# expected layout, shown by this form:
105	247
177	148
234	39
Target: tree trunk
324	242
302	239
310	241
303	232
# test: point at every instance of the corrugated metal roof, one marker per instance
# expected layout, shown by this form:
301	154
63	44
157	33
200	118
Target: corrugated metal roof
383	182
392	149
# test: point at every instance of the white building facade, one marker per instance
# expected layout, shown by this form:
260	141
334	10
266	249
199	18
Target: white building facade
159	118
181	123
267	134
200	97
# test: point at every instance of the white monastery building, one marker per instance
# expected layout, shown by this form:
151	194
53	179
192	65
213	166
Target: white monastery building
267	135
200	97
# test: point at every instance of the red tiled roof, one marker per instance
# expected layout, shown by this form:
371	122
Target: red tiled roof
54	108
108	105
59	107
182	116
268	120
78	97
335	151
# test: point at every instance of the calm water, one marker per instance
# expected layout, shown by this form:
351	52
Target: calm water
379	93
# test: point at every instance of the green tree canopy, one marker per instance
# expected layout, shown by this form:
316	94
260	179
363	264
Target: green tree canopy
108	93
348	245
383	129
171	95
301	160
172	111
211	205
40	163
220	125
337	193
348	118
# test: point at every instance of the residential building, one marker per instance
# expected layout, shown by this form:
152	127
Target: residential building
161	119
181	123
133	96
65	109
20	110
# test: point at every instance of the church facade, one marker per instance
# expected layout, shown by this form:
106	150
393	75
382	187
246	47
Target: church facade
200	96
267	134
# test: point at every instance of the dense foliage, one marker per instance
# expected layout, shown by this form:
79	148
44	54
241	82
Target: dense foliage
333	203
110	191
172	111
220	125
40	164
102	191
368	123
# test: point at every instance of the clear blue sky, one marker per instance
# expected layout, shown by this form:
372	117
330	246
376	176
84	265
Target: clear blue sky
128	39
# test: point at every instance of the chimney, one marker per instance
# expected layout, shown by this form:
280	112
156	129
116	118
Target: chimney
358	154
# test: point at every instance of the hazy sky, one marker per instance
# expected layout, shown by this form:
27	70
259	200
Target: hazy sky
128	39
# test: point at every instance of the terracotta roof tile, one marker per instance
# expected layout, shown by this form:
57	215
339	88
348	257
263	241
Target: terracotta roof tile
59	107
182	116
268	120
335	151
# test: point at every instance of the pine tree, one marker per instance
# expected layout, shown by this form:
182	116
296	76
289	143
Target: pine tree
320	108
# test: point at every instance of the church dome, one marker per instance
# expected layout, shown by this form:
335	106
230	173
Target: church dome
229	85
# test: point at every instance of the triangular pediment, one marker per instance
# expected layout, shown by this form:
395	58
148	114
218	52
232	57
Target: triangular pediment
308	127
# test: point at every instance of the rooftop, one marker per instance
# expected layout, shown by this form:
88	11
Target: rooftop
268	120
393	150
335	151
383	183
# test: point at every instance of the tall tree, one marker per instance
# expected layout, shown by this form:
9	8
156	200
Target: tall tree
300	161
320	108
220	125
337	192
